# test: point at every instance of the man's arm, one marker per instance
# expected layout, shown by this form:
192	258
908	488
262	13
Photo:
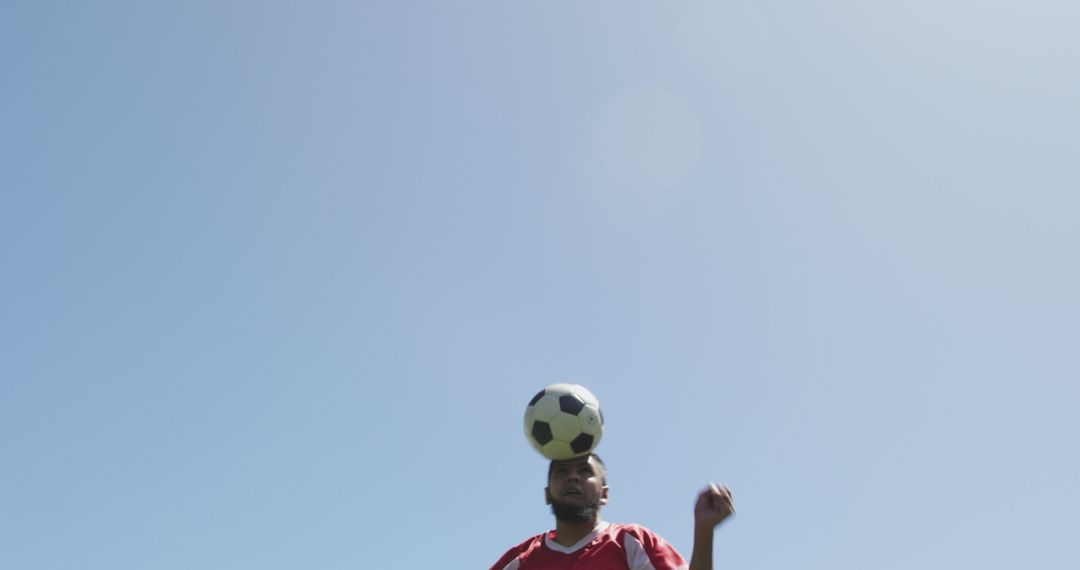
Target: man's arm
713	506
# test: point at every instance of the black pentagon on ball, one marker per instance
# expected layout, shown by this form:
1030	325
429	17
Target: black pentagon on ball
571	404
541	432
581	443
537	397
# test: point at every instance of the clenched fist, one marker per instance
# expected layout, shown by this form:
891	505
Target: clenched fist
713	505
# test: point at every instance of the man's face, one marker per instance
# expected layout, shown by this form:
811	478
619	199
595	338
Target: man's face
576	485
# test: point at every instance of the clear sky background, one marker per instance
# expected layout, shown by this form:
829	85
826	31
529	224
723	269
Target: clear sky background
279	278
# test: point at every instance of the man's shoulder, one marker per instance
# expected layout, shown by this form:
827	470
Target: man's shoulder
524	548
646	549
630	528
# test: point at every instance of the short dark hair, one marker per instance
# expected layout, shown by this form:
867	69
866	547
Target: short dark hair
603	468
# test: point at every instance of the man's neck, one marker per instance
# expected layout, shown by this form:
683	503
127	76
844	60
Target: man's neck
570	533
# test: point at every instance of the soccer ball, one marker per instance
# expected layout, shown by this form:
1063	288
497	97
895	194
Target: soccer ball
563	421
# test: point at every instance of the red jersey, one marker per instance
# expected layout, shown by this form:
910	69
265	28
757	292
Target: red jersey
609	547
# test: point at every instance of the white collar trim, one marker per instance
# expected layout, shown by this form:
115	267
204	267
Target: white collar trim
600	527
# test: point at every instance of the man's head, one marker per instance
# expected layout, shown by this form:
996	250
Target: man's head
577	488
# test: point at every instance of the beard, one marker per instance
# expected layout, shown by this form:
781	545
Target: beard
575	513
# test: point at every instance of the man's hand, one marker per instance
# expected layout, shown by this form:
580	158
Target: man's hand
713	505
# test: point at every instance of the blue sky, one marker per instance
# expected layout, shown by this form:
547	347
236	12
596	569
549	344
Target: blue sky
280	278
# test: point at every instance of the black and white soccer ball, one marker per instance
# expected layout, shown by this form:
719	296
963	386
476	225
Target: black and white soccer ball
563	421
